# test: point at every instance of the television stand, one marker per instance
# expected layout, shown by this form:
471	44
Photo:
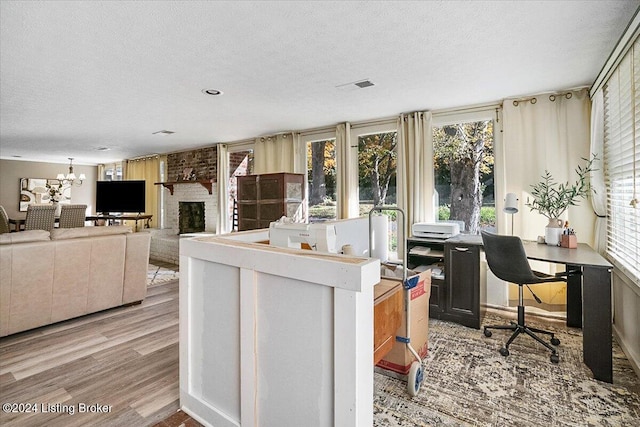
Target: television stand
117	219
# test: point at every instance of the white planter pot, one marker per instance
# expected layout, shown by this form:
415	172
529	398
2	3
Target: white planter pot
553	232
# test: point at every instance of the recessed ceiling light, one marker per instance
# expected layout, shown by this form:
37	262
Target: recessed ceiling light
213	92
16	156
103	149
163	132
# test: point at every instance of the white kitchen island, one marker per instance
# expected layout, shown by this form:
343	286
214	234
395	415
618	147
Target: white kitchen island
273	336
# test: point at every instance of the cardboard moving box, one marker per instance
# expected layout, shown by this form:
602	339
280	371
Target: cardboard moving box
399	359
388	311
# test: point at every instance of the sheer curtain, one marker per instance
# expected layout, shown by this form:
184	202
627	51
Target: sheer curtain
599	195
347	204
223	223
551	133
147	169
415	168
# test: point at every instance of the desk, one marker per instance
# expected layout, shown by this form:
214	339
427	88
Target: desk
589	305
588	297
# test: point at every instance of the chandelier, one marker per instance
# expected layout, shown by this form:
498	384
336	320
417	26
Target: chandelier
70	178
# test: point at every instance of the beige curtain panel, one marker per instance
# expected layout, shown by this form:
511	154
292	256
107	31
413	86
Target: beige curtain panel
552	133
415	168
347	184
147	169
599	195
223	223
275	153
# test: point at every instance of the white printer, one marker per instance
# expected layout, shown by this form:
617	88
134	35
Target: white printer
435	230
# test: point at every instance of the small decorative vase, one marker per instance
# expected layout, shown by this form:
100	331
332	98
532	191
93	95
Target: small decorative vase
553	232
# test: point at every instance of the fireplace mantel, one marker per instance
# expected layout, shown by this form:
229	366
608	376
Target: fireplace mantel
206	183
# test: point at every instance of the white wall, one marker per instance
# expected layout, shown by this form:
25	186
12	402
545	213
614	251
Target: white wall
12	170
626	318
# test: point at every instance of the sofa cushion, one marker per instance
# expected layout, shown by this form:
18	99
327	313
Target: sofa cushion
74	233
24	237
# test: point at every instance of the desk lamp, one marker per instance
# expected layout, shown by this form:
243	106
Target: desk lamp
511	207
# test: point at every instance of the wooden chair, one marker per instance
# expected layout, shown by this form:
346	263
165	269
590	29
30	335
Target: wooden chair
4	221
40	217
72	216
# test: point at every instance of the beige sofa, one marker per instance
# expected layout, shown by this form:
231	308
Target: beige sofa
47	277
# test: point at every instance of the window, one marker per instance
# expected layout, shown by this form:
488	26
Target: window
321	179
240	164
377	167
377	157
622	164
464	173
112	172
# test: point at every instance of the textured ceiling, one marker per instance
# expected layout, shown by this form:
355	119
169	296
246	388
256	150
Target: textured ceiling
76	76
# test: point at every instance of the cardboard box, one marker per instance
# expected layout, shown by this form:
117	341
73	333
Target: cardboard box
388	310
399	359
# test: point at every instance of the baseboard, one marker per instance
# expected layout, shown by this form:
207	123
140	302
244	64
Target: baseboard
542	306
548	315
635	363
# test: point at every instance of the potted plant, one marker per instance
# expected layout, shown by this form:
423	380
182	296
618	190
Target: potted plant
552	199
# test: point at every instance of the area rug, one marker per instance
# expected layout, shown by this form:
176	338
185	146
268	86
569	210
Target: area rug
468	383
157	275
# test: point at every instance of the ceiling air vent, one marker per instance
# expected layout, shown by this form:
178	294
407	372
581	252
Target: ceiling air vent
363	84
360	84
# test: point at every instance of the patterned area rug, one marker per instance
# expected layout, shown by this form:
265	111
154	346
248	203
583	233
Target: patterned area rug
157	275
468	383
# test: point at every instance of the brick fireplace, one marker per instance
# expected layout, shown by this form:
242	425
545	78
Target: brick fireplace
191	217
190	192
165	243
194	197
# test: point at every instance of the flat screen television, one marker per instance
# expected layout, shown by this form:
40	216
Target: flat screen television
120	196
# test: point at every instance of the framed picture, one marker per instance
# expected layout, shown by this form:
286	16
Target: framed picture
34	190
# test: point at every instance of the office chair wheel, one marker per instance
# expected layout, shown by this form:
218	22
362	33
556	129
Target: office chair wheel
504	351
555	358
555	341
487	333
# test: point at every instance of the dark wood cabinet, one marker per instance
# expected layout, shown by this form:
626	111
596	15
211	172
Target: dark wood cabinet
265	198
462	301
457	292
422	251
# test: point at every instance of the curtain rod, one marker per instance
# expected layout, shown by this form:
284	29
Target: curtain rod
469	109
552	96
380	121
313	131
145	157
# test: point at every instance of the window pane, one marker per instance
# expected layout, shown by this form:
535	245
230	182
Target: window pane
321	166
622	164
377	156
240	164
463	170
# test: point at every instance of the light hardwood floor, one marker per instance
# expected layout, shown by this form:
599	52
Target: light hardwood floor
126	358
